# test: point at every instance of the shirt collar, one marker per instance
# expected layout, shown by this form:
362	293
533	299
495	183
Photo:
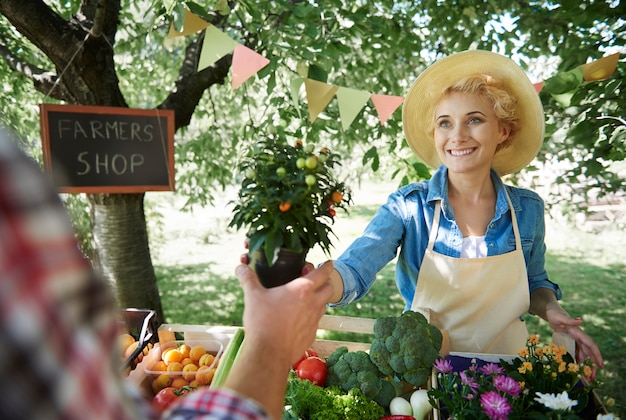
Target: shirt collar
438	190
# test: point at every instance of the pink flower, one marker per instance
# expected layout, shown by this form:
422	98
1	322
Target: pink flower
508	385
492	368
496	406
469	381
443	366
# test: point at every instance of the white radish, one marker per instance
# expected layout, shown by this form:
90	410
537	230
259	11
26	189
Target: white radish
400	406
420	404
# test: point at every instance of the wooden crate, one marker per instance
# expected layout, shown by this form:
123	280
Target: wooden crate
342	324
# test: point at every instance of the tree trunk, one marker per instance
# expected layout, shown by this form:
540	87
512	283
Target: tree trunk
121	251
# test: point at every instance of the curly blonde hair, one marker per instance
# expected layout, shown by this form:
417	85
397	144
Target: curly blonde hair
486	86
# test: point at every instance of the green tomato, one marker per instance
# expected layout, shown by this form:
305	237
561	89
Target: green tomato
310	180
250	174
301	163
281	171
311	162
309	148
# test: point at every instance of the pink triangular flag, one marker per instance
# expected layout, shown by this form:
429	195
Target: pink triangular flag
386	105
246	63
318	95
538	86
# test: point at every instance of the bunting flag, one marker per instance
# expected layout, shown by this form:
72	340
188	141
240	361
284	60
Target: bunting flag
600	69
386	105
215	46
246	63
319	95
191	24
351	102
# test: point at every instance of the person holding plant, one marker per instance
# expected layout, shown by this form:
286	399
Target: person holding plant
59	325
471	249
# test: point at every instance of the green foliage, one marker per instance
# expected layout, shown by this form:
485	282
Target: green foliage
405	347
355	370
288	196
307	401
375	46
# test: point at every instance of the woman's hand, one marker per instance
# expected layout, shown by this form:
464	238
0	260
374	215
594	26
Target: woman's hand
561	322
544	304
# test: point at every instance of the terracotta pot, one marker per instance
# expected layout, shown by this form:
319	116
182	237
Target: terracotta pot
287	267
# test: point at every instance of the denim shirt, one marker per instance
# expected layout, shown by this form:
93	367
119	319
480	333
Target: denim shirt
404	223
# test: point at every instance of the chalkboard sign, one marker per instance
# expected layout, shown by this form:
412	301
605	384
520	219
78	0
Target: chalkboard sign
96	149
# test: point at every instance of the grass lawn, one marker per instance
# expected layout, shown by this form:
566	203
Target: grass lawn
195	254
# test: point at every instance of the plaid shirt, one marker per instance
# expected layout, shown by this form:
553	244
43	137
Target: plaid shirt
58	319
219	404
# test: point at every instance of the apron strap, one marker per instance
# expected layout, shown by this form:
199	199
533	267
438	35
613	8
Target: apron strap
518	240
435	226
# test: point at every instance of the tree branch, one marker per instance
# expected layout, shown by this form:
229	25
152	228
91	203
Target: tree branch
191	84
44	81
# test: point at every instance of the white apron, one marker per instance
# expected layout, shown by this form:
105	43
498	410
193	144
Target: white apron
476	302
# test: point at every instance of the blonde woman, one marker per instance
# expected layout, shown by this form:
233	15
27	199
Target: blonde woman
470	248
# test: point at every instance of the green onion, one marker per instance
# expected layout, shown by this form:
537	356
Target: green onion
228	358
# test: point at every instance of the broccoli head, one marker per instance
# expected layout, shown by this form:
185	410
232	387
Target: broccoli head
355	370
405	347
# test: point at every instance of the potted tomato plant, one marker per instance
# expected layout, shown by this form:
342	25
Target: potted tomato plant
287	200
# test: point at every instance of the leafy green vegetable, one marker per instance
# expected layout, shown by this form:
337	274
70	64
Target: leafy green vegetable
307	401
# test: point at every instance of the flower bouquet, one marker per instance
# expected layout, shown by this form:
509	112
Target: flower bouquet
544	382
287	200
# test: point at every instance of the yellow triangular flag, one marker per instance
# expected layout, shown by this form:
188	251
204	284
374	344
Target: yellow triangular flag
600	69
351	102
191	25
246	63
215	46
386	105
318	95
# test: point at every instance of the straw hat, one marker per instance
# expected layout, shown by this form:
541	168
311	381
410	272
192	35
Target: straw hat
427	89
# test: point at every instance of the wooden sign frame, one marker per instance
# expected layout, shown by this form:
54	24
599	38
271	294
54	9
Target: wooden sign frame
98	149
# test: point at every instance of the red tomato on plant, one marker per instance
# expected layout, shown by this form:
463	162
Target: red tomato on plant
313	369
308	353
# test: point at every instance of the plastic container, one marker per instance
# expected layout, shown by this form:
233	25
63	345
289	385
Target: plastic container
194	366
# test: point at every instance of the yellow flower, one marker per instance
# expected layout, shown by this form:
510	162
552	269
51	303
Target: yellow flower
572	367
533	339
523	352
562	366
525	367
587	370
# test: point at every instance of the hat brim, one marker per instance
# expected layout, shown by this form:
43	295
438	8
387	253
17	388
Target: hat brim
427	89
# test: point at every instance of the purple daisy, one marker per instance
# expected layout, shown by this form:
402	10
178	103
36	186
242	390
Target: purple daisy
507	384
495	406
492	369
443	366
469	381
